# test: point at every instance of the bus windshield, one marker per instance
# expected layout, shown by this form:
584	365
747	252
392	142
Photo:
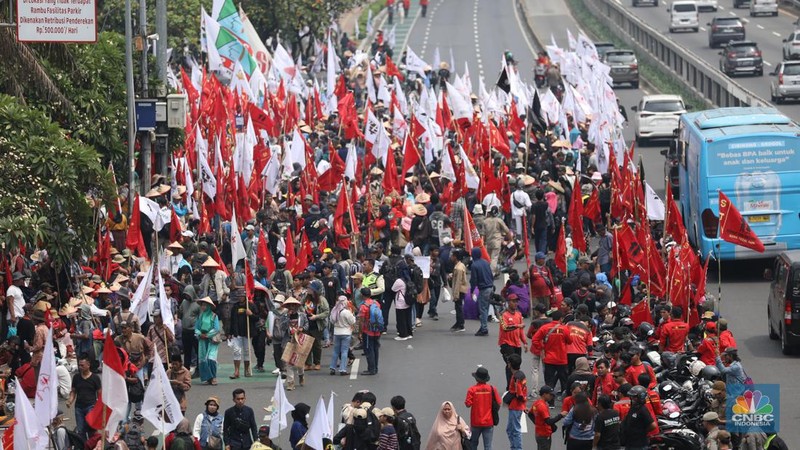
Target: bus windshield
770	154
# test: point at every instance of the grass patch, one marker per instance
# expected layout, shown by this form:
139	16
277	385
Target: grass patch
662	81
375	7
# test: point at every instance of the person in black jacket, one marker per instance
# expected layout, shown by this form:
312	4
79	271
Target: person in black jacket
408	436
239	423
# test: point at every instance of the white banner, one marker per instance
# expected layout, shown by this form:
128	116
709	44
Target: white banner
41	21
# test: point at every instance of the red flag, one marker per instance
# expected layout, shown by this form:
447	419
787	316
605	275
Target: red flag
218	259
249	282
625	295
411	156
104	254
592	207
331	178
263	254
515	123
575	218
640	313
733	227
392	70
289	253
390	182
630	250
134	240
561	250
174	227
526	241
110	409
674	226
304	257
471	236
498	141
4	266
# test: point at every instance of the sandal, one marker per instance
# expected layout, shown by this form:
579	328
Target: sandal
233	377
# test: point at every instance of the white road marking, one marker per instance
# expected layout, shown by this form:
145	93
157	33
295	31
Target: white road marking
522	30
767	64
776	33
721	8
760	27
354	369
702	28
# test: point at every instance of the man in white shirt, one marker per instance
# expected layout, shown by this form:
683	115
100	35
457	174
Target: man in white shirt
520	205
14	299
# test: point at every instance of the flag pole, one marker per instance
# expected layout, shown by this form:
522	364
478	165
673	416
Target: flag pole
720	226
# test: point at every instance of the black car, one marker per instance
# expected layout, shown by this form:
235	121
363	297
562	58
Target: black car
722	30
741	57
671	168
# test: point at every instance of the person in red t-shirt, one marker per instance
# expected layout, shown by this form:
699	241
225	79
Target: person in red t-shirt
726	339
708	348
673	334
553	339
623	405
512	334
518	388
604	382
540	415
480	398
371	338
637	367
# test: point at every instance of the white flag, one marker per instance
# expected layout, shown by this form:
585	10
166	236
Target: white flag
351	163
28	433
150	209
280	408
320	428
655	207
371	88
372	128
237	247
165	305
139	302
414	63
331	63
271	173
447	166
296	153
331	407
47	385
471	177
160	406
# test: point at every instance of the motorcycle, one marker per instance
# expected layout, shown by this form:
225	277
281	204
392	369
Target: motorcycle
539	74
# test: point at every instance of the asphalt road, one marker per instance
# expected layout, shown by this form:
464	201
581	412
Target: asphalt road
766	31
435	366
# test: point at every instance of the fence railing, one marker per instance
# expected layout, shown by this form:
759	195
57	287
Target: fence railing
691	70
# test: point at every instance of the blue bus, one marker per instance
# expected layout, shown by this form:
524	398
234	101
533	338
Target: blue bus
753	156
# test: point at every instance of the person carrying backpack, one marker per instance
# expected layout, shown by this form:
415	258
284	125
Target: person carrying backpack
181	438
371	324
281	278
363	434
408	436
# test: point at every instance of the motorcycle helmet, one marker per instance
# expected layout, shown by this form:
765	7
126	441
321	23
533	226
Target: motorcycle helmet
623	310
668	388
709	373
626	322
696	367
645	330
670	409
638	393
668	359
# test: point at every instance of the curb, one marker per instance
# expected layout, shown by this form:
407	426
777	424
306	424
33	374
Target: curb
528	27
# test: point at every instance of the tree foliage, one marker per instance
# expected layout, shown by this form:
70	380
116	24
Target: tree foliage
47	177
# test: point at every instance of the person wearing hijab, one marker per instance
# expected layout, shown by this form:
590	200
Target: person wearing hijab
343	321
602	279
206	328
183	432
300	424
447	429
572	256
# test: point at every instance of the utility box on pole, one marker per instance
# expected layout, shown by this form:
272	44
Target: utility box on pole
176	110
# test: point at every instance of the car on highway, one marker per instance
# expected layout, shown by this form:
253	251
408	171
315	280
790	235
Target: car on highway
707	5
768	7
683	15
791	46
636	3
740	3
741	57
725	29
785	82
602	48
657	116
671	169
624	67
783	304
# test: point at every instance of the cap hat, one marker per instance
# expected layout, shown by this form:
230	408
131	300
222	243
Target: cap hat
710	416
717	387
545	390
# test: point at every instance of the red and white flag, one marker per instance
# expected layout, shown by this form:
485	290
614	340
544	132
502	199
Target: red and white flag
111	407
733	227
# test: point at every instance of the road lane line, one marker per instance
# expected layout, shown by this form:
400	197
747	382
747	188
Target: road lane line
721	8
731	13
354	369
767	64
776	33
760	27
702	28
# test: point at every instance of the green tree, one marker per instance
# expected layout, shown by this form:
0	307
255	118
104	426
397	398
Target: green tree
48	179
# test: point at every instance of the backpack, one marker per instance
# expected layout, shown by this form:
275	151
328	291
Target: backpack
408	436
368	429
182	442
133	437
279	280
375	317
74	440
389	272
414	282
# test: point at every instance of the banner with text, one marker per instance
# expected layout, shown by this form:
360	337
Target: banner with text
57	21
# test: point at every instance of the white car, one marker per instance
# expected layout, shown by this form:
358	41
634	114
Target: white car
707	5
657	116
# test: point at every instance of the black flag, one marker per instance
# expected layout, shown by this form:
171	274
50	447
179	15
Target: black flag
537	121
503	82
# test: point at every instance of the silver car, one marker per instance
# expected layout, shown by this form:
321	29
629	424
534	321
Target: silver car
785	81
624	67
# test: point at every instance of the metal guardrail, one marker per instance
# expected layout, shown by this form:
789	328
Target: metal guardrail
691	70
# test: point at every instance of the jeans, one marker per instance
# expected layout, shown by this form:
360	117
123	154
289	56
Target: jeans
189	347
341	345
434	301
459	304
372	347
514	429
404	320
484	296
487	437
540	239
277	354
259	339
80	419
